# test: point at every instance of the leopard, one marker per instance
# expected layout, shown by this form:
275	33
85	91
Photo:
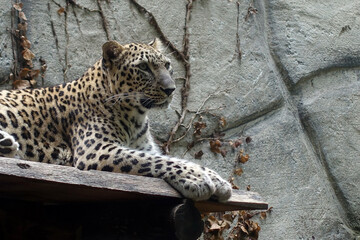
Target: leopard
100	121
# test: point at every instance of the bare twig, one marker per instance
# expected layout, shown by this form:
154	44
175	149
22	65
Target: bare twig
251	11
150	17
198	112
183	56
186	87
14	45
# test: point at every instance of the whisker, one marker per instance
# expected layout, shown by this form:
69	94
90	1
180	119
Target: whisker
123	96
171	53
120	95
167	46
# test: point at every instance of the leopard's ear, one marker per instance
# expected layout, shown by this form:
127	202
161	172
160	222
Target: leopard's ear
157	44
111	50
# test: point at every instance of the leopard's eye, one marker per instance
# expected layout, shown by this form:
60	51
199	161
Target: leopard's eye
167	65
143	66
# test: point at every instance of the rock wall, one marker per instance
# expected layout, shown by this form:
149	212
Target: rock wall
287	75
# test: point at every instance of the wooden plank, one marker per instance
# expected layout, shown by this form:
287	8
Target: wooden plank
35	181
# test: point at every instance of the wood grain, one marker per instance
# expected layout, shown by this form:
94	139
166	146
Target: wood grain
25	180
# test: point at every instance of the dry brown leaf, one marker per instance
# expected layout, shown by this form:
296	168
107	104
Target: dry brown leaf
190	145
225	225
248	187
34	73
222	122
238	171
212	218
237	143
243	158
22	26
29	63
25	43
22	16
23	73
223	152
199	154
228	217
198	126
233	185
22	84
33	82
263	215
244	230
215	146
27	54
61	10
251	11
18	6
248	140
43	68
214	226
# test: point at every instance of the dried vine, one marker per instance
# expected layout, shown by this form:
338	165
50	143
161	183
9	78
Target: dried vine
186	87
65	10
183	56
61	11
23	73
152	21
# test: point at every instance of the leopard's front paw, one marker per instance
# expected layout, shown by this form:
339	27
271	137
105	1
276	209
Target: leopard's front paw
223	188
8	145
198	183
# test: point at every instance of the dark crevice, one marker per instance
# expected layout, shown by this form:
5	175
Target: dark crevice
344	64
279	65
346	209
309	133
269	110
77	20
105	23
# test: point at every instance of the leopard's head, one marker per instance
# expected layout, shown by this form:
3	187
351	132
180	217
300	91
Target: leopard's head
139	73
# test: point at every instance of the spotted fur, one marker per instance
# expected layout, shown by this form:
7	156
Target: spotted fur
100	121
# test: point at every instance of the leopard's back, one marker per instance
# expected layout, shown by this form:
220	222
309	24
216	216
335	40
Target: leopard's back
32	120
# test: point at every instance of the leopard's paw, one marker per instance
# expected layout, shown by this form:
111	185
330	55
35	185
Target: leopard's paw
223	188
198	183
191	181
8	145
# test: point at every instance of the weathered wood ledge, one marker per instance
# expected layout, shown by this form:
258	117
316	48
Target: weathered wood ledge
35	181
66	203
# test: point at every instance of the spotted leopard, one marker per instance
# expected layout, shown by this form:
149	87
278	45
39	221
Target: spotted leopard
100	121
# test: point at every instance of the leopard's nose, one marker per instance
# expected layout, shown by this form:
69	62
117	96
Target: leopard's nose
167	91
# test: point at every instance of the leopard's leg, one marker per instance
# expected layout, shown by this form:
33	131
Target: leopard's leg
222	187
190	179
8	145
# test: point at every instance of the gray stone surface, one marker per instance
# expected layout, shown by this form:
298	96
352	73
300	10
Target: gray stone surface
295	92
5	40
308	36
329	107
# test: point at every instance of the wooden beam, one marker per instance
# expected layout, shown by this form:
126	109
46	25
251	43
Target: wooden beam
25	180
